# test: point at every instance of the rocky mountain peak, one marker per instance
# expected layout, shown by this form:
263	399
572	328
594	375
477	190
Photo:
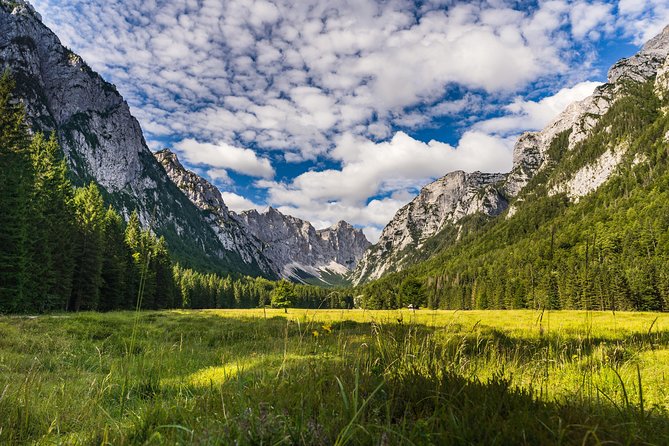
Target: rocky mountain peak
442	202
644	64
201	192
298	250
282	245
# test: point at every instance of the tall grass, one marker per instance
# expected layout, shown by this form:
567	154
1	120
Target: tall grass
335	377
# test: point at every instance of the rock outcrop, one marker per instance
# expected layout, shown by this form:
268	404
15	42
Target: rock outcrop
298	251
224	223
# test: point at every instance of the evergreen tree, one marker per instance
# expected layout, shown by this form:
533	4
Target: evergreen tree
16	179
411	292
115	263
52	224
282	295
90	218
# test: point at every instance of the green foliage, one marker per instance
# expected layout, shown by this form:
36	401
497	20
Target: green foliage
411	292
608	251
16	178
282	295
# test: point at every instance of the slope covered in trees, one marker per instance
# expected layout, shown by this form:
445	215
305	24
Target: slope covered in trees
63	249
608	250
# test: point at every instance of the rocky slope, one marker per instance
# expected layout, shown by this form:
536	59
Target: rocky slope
282	245
102	141
223	222
298	251
446	201
440	203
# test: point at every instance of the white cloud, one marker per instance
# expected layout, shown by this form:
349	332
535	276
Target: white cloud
332	80
401	165
293	76
238	203
534	115
642	19
225	156
220	176
393	169
372	233
586	16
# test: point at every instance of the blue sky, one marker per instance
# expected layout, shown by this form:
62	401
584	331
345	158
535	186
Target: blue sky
343	109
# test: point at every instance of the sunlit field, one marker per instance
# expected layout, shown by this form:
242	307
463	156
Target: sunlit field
335	377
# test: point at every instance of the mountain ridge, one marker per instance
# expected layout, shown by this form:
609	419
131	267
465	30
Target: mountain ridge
533	153
284	246
100	138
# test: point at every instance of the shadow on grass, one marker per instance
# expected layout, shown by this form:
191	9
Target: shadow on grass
382	384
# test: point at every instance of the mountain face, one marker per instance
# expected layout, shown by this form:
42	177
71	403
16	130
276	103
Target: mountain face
283	246
230	233
299	251
443	202
101	140
560	160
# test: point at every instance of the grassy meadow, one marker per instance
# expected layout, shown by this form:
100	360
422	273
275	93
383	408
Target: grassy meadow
335	377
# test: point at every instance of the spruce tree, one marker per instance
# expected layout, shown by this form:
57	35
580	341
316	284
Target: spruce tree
52	221
16	179
114	264
90	217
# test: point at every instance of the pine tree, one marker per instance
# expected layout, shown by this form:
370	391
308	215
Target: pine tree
283	295
52	223
16	179
115	263
162	265
90	217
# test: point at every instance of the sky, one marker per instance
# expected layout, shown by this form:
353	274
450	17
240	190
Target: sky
343	109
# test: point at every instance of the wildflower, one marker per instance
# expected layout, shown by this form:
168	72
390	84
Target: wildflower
316	333
328	328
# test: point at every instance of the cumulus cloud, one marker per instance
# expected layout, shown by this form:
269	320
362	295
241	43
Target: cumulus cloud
642	19
294	76
401	165
333	81
534	115
238	203
225	156
392	170
585	17
220	176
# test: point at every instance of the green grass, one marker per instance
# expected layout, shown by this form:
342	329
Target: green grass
335	377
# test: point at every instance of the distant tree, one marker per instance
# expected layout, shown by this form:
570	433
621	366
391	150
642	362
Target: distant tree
282	295
411	292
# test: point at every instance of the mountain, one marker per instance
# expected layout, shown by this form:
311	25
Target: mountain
299	252
443	202
571	157
282	245
102	141
207	198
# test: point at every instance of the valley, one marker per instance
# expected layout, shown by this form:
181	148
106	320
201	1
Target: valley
368	223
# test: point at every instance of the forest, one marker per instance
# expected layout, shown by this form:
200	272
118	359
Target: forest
63	249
